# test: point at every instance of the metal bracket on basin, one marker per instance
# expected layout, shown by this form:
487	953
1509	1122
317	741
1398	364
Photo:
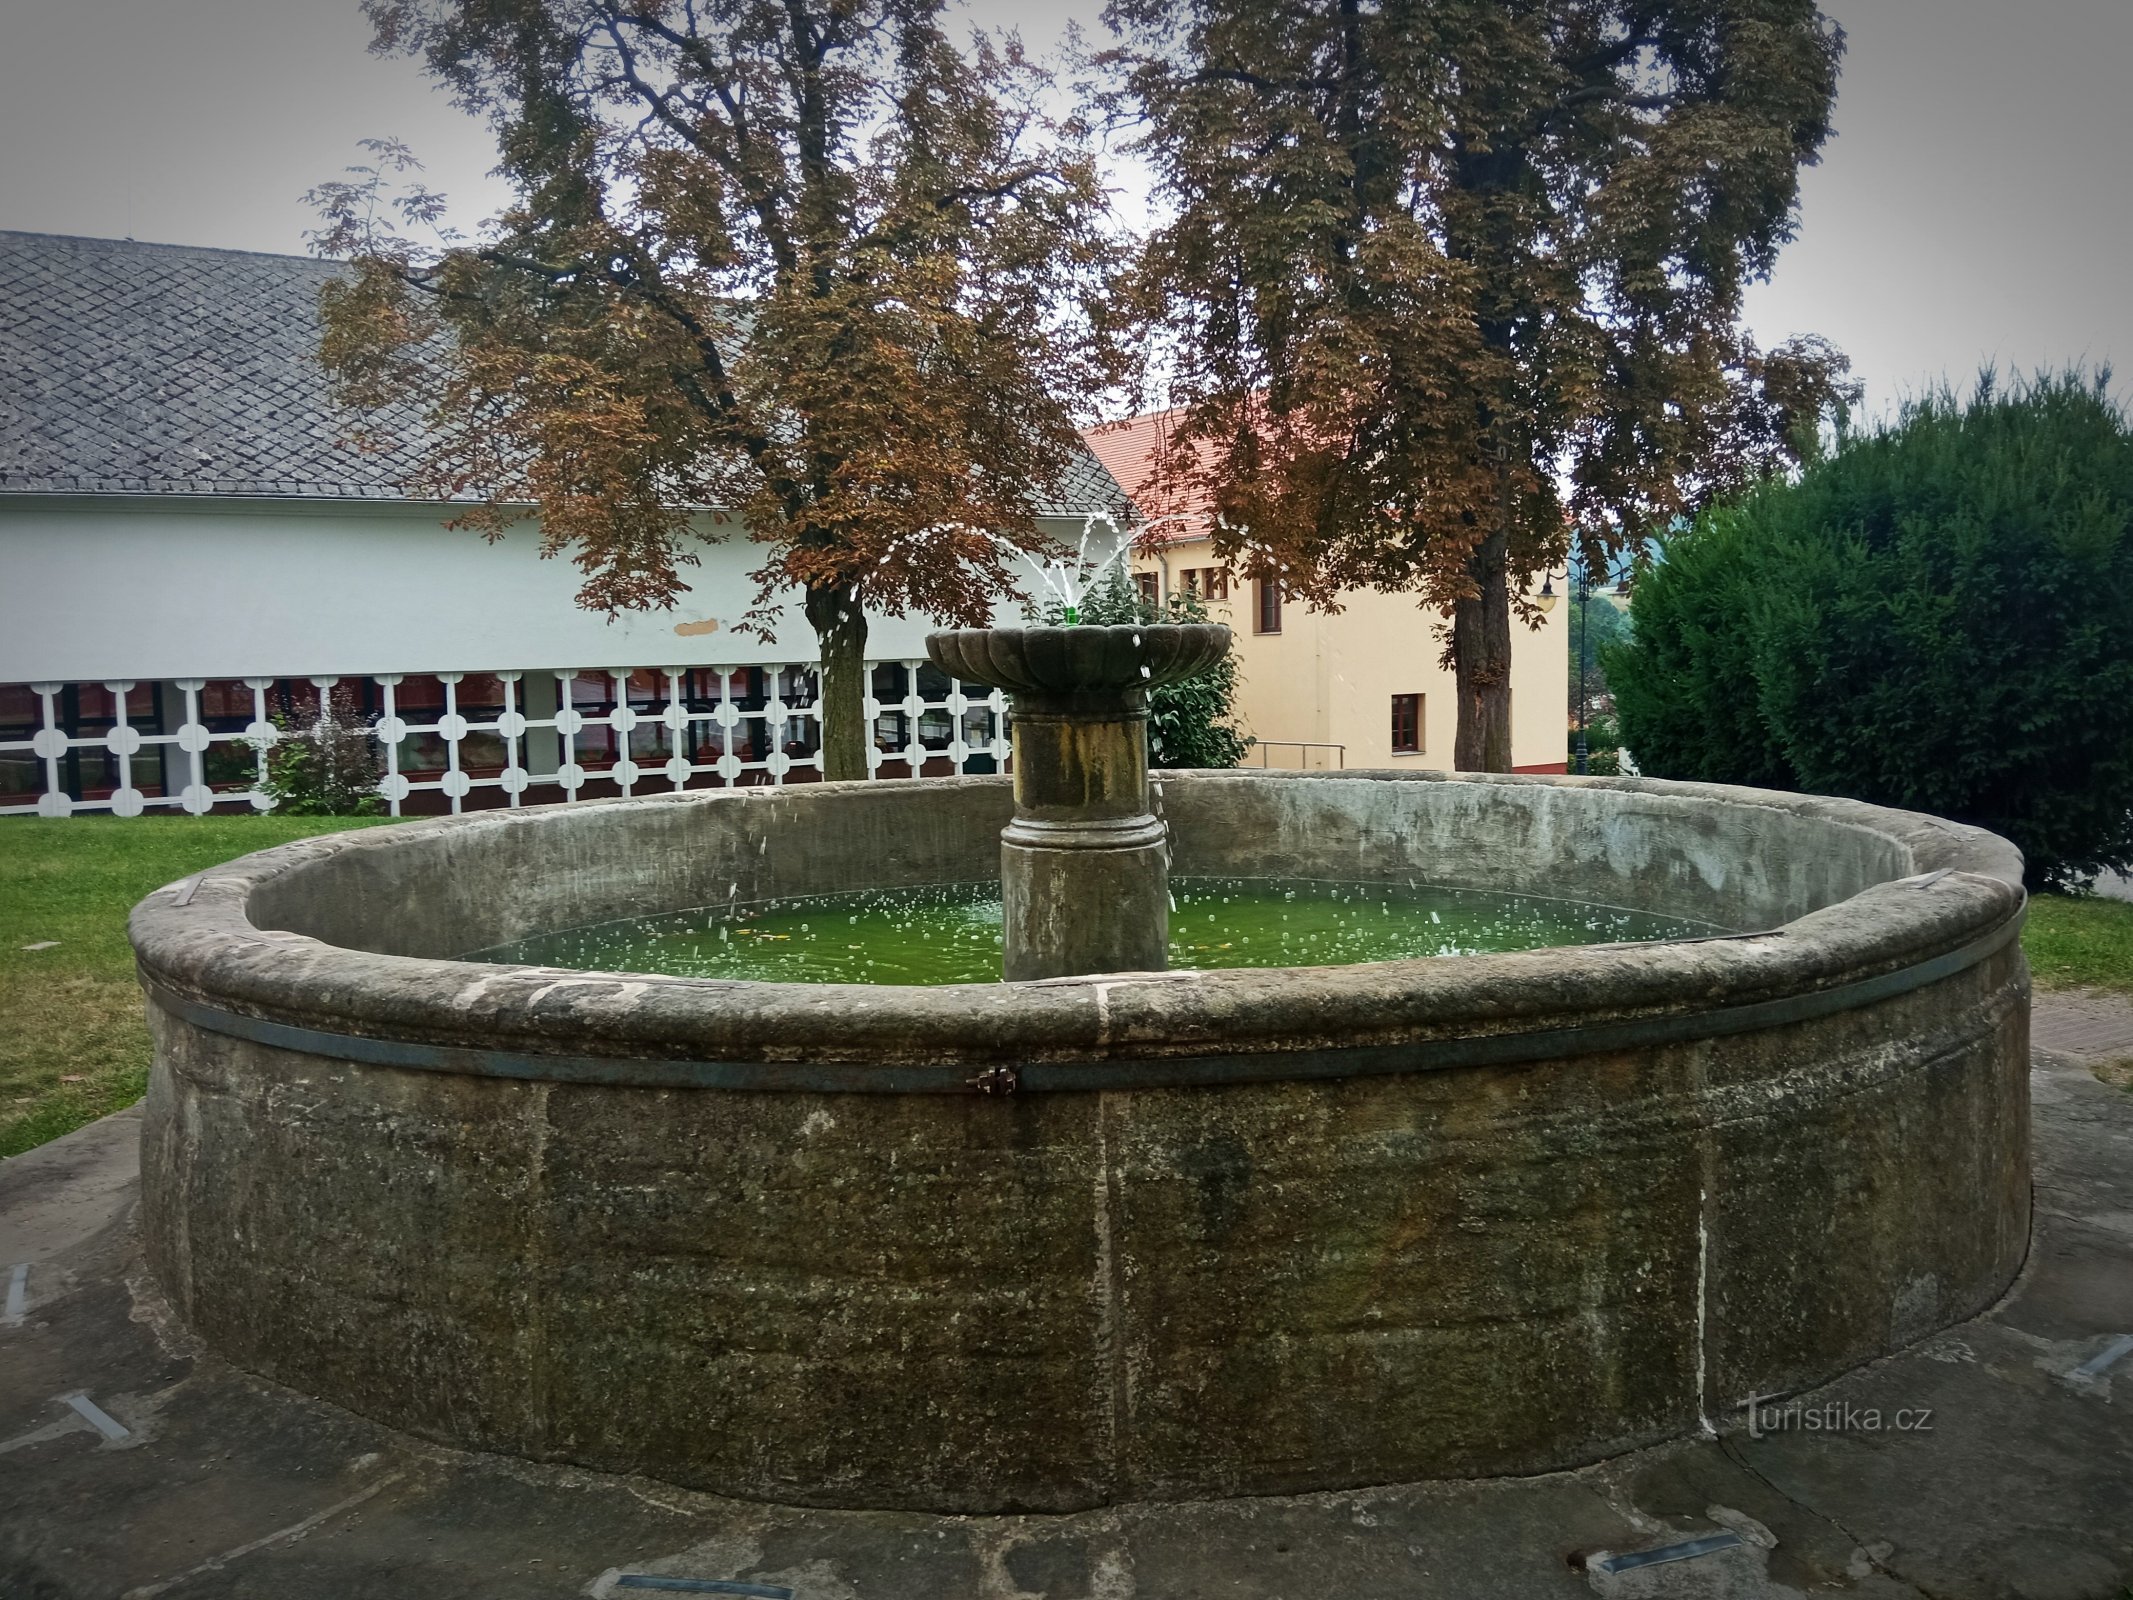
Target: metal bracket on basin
996	1080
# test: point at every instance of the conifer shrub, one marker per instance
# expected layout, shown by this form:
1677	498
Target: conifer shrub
1937	615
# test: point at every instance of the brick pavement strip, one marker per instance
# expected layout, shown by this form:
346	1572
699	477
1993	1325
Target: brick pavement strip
2091	1025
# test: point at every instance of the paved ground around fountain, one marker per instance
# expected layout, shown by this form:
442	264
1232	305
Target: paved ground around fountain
2091	1025
1995	1460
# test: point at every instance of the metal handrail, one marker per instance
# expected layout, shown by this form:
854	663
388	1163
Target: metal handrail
1302	744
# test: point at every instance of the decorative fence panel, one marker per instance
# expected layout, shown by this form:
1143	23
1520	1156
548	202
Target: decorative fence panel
461	741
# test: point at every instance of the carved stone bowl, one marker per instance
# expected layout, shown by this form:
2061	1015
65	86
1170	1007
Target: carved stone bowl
1079	661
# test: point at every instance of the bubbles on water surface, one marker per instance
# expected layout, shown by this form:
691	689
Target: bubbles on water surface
952	933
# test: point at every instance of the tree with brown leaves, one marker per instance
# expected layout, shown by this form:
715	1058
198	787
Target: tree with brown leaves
1455	283
811	264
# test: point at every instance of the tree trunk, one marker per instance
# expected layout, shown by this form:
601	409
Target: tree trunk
841	631
1481	662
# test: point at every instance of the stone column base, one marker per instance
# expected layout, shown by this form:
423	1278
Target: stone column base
1085	897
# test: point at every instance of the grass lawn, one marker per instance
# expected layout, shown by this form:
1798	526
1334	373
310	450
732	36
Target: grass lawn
2083	943
72	1042
73	1046
2080	942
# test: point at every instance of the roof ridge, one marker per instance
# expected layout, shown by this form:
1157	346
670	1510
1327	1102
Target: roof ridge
157	244
1134	421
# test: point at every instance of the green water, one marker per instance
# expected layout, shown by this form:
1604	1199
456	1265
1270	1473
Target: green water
952	934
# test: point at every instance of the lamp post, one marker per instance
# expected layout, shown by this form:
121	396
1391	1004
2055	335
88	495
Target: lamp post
1581	594
1581	597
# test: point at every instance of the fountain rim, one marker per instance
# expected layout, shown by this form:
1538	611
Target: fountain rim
201	957
1045	659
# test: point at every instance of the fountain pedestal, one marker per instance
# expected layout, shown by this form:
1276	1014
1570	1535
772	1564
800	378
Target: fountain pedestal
1085	865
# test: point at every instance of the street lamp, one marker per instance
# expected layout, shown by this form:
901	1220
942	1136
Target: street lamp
1581	588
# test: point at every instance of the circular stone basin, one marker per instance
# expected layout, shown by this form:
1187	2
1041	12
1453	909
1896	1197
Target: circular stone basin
1046	1245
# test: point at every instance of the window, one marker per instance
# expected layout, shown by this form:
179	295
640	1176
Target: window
892	681
1266	605
1151	593
592	696
1406	724
229	764
1211	583
892	732
935	728
647	741
480	699
21	719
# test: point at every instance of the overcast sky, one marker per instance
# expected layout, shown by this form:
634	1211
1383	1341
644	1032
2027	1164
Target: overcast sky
1977	203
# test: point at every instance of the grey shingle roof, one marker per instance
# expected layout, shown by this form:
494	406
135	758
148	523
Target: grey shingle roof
165	369
161	369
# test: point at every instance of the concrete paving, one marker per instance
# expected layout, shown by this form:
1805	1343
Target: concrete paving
1995	1460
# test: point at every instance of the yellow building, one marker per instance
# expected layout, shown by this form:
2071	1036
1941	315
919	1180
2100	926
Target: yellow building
1361	687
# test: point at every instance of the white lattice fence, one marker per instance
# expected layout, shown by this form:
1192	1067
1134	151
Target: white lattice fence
451	741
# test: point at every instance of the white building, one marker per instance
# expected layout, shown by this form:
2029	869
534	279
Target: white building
187	547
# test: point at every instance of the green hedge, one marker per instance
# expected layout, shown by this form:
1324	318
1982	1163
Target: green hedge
1938	615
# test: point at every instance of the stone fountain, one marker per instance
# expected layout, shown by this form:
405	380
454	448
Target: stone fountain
1085	864
1121	1233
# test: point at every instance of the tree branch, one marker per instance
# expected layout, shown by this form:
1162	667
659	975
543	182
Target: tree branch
1254	80
738	158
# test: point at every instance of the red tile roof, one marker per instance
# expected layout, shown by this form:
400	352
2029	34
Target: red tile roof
1130	450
